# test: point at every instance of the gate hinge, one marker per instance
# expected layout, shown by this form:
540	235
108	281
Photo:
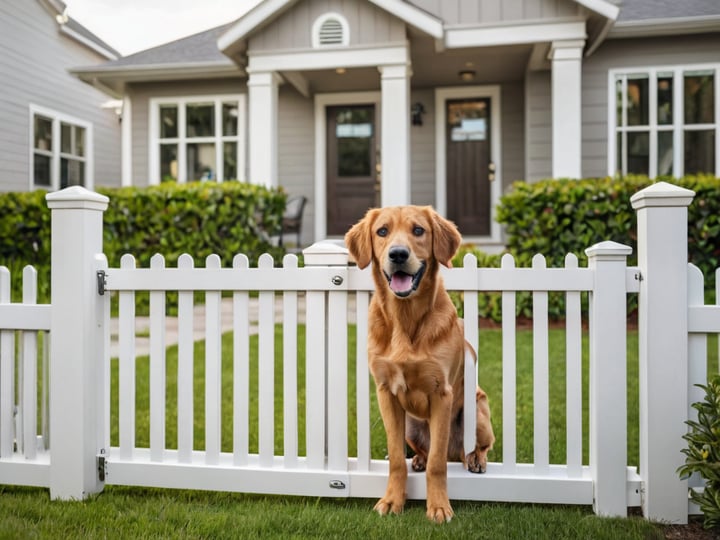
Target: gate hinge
101	282
102	465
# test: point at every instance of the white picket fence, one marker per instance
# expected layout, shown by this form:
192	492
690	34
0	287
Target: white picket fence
80	460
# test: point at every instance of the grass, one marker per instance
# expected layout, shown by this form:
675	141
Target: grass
151	513
125	512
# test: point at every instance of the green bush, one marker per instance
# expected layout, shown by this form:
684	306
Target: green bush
557	217
702	454
170	219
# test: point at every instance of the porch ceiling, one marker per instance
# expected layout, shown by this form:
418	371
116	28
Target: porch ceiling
430	69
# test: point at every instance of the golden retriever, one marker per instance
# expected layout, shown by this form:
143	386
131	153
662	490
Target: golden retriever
416	349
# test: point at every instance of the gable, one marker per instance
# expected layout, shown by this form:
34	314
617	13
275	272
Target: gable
293	29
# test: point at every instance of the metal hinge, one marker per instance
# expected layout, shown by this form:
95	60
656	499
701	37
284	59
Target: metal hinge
102	465
638	276
101	282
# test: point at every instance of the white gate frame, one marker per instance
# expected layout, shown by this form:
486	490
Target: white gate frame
79	372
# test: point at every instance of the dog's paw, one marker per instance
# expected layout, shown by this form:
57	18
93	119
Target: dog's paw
418	463
440	513
476	462
387	506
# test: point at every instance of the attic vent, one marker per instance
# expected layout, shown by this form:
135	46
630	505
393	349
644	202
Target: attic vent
330	29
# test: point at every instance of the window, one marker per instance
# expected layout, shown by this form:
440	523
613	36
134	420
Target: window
197	138
60	150
665	121
330	29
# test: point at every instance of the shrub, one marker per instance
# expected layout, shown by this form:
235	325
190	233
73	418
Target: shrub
702	454
170	219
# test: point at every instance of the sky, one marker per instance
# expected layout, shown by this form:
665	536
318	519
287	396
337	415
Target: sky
134	25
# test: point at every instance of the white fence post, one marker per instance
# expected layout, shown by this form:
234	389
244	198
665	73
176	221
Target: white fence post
326	342
663	344
76	369
608	378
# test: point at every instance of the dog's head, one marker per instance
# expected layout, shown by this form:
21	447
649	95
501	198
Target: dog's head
405	243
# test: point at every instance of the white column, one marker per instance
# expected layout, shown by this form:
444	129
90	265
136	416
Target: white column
566	57
263	127
608	378
663	347
126	142
395	122
76	368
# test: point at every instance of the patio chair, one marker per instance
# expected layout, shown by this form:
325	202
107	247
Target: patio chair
292	219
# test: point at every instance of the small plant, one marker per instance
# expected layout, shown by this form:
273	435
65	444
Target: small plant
703	453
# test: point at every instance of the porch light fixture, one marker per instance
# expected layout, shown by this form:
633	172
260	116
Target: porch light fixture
466	75
340	71
418	109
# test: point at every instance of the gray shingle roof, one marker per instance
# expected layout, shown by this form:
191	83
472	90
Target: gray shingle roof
198	48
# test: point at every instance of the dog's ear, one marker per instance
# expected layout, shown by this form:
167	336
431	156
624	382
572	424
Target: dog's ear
446	239
359	239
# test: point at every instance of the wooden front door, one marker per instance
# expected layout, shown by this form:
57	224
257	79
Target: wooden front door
352	185
469	168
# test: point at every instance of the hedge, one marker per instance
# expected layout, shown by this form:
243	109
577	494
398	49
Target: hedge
556	217
171	219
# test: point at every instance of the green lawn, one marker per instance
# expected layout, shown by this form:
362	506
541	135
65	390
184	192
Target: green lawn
153	513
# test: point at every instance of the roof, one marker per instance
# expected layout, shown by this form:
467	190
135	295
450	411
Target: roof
209	53
77	31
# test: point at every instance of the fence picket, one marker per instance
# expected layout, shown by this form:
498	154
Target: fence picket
266	369
573	384
509	376
241	369
157	367
541	377
29	370
185	370
7	375
315	379
213	370
337	366
290	365
362	375
126	359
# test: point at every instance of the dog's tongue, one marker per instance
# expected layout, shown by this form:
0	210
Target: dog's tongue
400	282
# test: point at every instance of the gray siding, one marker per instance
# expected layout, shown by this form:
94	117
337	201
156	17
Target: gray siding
513	128
34	62
497	11
296	160
292	30
422	151
630	53
140	95
538	126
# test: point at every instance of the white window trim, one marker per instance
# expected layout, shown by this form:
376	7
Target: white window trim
322	19
181	101
678	127
58	118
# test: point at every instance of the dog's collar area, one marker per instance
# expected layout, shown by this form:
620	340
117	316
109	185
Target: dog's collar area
403	284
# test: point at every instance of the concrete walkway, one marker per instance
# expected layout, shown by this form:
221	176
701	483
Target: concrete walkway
142	324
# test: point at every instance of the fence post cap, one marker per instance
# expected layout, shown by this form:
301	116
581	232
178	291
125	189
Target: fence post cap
326	253
77	197
662	194
608	249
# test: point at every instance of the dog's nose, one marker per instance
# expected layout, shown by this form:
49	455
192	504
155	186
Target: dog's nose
398	254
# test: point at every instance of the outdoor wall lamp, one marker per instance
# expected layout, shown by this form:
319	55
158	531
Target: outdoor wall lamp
417	110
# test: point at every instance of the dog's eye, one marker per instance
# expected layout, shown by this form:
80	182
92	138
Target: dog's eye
418	231
382	231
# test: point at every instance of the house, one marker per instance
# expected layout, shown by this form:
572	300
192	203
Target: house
55	131
357	103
